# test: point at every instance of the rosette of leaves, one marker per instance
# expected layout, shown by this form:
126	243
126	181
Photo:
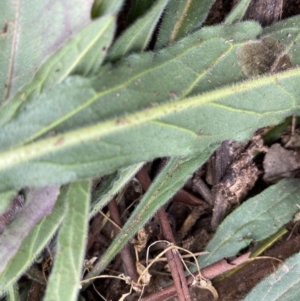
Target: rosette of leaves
82	100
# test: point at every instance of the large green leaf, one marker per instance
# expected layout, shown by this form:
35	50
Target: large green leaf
181	127
49	108
64	281
282	285
125	136
182	17
100	97
115	85
31	31
255	220
32	246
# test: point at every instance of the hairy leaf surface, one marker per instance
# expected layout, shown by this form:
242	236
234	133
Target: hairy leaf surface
254	220
30	32
182	17
175	128
39	203
127	83
180	126
64	281
32	246
283	285
81	54
287	32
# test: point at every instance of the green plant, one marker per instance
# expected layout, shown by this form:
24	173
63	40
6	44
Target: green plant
80	103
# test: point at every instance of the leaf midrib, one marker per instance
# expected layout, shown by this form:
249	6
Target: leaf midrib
97	96
13	52
97	131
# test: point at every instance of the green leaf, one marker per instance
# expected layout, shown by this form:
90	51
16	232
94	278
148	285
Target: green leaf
173	176
138	35
254	220
30	32
179	124
110	186
180	127
106	7
13	293
80	54
32	246
39	203
5	199
237	12
76	94
64	281
283	285
97	44
99	98
182	17
287	32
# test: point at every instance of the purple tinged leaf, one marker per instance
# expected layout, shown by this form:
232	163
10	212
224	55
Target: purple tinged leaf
39	203
15	207
31	31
